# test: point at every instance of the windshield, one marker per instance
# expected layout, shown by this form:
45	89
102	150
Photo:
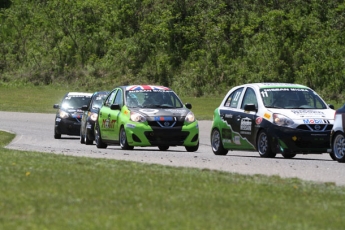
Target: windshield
152	99
75	102
98	101
291	98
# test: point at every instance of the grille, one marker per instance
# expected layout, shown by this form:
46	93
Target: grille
315	127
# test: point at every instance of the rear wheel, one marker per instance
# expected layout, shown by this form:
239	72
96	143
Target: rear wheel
339	147
263	145
216	143
98	139
123	140
163	147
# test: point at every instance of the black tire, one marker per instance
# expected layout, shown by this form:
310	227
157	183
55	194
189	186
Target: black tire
163	147
82	140
288	155
263	145
216	143
192	148
123	140
57	135
332	156
98	139
87	141
338	147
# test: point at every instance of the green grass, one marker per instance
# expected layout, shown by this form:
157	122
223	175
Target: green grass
48	191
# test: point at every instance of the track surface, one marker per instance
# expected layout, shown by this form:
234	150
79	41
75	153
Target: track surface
34	132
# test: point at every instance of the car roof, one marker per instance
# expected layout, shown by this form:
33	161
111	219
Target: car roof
79	94
146	88
265	85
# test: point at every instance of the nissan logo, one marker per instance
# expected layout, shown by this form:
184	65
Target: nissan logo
317	127
166	123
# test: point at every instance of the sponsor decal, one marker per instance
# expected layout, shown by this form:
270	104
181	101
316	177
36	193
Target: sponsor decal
258	120
132	126
149	110
315	121
229	115
237	140
175	110
246	124
126	112
147	88
109	124
267	116
163	118
58	119
303	112
227	141
245	132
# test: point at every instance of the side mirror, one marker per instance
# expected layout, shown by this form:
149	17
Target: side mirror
250	107
115	107
84	107
188	105
331	106
56	106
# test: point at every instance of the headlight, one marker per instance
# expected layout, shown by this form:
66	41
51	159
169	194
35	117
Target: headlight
63	114
93	116
282	120
137	117
190	117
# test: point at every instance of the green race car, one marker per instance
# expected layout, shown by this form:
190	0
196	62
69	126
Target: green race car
146	115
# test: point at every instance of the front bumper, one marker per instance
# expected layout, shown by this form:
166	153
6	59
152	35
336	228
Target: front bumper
141	134
288	140
67	126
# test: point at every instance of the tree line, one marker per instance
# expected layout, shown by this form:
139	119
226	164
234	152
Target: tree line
196	47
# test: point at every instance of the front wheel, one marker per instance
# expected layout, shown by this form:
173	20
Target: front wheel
192	148
98	139
263	145
339	147
123	140
216	143
288	155
56	134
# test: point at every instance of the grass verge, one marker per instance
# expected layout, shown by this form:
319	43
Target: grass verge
47	191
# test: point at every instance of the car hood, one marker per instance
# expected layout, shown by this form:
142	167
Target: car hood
161	112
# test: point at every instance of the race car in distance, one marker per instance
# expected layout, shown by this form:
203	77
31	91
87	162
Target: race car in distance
338	136
272	118
69	113
90	117
146	115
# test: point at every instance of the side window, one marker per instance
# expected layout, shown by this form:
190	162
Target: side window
118	98
234	98
249	98
110	98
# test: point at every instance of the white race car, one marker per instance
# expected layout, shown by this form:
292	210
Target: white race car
272	118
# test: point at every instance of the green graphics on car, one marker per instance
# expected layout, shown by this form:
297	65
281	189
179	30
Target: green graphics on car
146	115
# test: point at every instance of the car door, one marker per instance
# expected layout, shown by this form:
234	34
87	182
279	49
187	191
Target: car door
115	115
244	121
227	112
106	120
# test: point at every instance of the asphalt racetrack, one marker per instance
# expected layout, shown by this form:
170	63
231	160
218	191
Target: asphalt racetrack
35	132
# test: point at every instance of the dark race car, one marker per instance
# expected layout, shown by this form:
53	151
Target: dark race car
338	136
69	114
146	115
90	117
272	118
